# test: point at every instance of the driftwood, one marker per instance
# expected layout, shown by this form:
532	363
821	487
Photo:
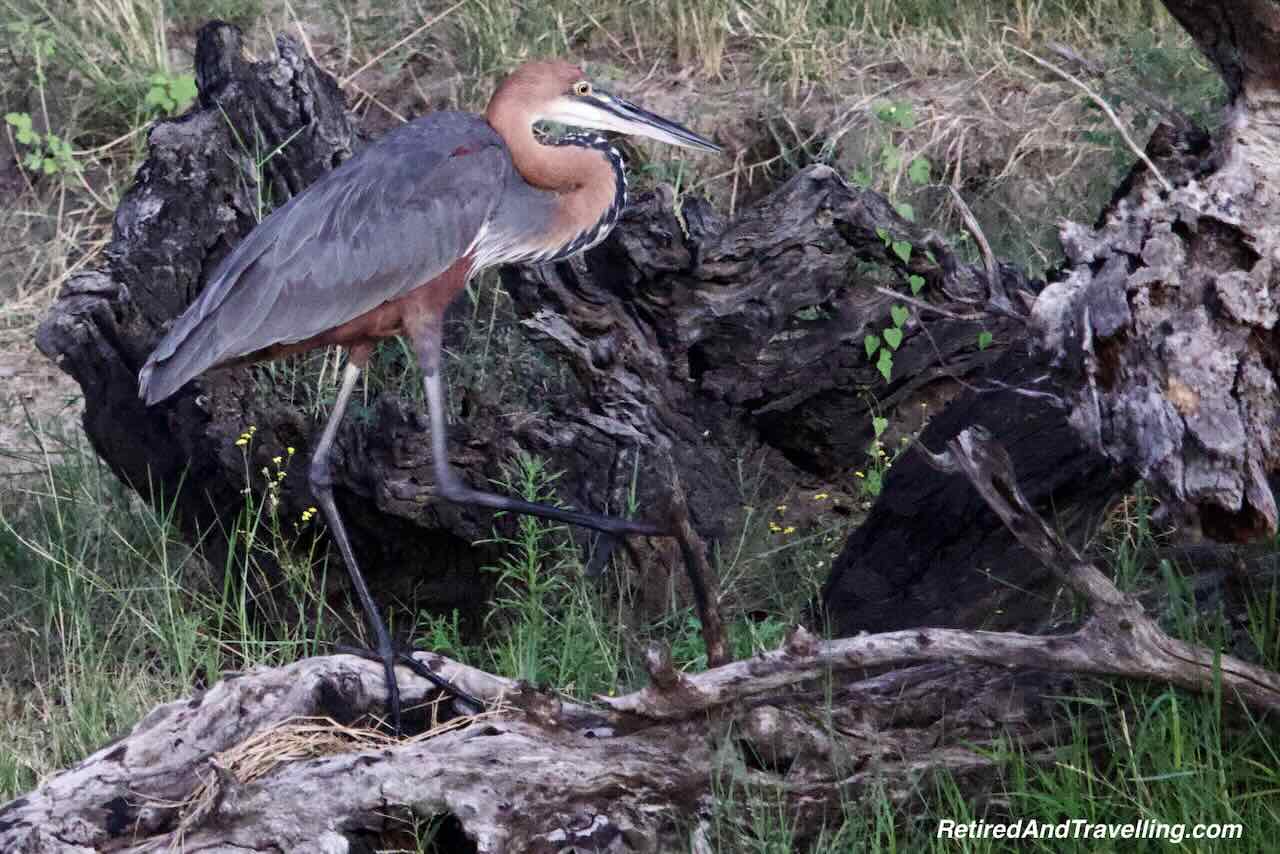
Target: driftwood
263	761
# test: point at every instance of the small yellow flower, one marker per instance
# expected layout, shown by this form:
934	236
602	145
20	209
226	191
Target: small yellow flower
790	529
277	459
242	441
289	450
859	474
782	508
775	527
820	496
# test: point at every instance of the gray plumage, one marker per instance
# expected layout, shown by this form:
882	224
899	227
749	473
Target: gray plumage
388	220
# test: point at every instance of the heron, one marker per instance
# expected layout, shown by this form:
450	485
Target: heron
381	245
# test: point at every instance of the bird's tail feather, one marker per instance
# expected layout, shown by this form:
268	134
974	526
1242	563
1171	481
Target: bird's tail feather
162	375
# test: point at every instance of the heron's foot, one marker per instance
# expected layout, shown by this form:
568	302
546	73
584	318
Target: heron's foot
604	546
392	656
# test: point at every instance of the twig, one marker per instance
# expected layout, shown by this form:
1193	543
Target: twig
995	288
702	578
1106	108
413	35
927	306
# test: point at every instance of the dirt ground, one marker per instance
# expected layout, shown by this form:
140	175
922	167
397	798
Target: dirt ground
33	391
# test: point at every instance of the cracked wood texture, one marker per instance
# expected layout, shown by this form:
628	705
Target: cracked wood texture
543	775
1163	323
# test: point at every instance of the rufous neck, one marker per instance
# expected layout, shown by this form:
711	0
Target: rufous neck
548	167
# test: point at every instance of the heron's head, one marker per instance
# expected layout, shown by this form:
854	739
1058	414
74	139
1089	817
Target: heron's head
559	91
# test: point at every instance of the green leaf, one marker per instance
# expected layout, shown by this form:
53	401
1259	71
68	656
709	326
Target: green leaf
883	235
916	283
878	424
183	90
905	211
896	113
929	254
885	364
893	337
984	340
22	124
902	249
899	314
872	343
890	157
919	170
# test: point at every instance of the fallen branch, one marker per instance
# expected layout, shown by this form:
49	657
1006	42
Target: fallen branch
537	772
270	760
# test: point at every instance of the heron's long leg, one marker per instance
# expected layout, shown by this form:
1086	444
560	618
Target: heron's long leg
427	343
321	478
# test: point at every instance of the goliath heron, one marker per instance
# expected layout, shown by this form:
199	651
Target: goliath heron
385	242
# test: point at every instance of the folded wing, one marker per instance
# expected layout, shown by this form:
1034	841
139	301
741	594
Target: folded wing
387	221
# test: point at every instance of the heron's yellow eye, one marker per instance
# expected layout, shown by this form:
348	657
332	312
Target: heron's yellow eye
582	89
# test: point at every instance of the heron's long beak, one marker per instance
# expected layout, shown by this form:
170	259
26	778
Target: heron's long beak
602	111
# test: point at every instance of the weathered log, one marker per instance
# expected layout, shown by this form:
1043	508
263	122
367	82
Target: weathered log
266	761
1162	325
246	766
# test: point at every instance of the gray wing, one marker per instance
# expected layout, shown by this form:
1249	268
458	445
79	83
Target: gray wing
388	220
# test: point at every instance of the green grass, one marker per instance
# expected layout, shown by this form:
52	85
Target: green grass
108	614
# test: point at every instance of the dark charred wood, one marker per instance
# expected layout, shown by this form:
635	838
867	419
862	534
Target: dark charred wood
932	552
